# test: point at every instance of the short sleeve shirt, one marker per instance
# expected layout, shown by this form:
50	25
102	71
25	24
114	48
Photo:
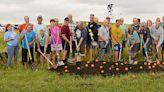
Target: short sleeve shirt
65	30
11	34
30	37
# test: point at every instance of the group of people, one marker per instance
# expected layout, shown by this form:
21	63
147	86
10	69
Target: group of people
82	38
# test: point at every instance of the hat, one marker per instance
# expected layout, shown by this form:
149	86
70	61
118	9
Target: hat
66	19
107	17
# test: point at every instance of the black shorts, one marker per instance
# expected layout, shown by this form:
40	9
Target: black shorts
65	45
48	51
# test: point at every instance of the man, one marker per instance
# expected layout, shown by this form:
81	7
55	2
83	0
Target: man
136	26
72	24
31	39
66	39
81	36
116	38
162	24
104	39
109	26
163	41
37	28
94	29
134	42
125	34
23	26
157	33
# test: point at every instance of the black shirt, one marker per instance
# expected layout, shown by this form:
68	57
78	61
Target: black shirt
94	27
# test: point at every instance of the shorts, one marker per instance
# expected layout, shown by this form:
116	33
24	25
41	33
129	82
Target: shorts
82	49
123	44
117	47
48	51
135	48
56	48
65	45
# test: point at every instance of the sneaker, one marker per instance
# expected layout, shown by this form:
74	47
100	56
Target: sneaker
60	63
130	61
70	61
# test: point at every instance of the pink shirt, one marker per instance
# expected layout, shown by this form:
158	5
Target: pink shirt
55	31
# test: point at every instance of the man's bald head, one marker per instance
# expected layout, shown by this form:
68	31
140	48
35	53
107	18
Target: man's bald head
80	25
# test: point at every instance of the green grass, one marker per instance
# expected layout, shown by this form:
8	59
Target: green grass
17	79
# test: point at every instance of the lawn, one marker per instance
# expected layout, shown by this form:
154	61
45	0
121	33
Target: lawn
17	79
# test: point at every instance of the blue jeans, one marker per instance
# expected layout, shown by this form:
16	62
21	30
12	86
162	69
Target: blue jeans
103	48
12	51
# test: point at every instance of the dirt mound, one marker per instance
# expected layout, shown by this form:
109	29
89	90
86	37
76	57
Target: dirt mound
109	68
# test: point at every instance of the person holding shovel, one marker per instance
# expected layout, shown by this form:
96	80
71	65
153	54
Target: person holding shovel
31	36
116	34
134	42
104	39
81	39
66	39
43	45
157	35
92	29
56	44
145	36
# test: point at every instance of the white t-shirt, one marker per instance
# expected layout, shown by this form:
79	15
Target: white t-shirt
38	27
104	32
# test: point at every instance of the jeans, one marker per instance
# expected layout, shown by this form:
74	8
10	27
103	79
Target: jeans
12	51
103	48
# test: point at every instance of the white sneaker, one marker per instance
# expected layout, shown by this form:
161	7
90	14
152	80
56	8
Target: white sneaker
60	63
130	61
70	61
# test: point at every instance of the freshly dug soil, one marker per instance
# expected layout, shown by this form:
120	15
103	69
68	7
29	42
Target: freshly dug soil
109	68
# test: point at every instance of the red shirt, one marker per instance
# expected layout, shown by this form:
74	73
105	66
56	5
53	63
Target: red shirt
65	30
22	27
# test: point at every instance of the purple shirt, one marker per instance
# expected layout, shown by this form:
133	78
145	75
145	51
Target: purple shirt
11	34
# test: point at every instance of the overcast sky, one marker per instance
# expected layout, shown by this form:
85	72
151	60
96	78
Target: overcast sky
13	11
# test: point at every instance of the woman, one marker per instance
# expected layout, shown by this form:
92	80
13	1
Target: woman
56	44
134	42
11	39
31	37
43	44
149	24
145	32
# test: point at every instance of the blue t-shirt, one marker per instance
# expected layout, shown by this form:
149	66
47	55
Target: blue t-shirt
134	36
11	34
30	37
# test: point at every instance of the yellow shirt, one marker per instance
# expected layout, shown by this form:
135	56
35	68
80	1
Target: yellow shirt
116	32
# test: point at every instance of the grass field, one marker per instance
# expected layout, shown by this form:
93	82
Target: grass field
17	79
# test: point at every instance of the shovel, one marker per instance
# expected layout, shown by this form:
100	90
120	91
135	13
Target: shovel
33	67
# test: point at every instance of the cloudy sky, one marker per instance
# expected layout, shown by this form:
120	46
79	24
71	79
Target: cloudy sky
13	11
